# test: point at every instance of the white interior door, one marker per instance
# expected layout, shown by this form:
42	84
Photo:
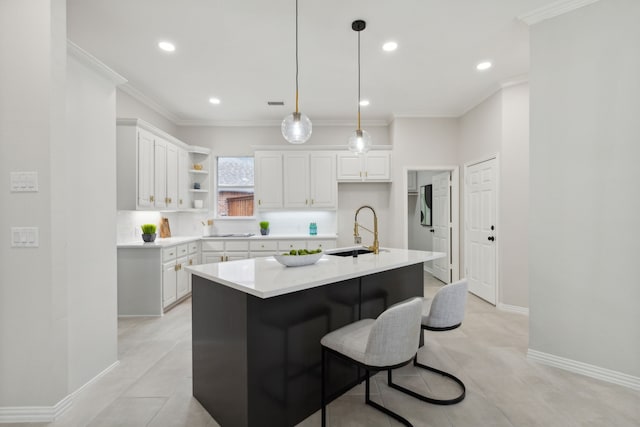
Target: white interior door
441	203
480	228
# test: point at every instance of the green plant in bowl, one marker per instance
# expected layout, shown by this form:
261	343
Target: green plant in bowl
148	232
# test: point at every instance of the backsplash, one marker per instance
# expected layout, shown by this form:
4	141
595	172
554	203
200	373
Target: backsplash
191	223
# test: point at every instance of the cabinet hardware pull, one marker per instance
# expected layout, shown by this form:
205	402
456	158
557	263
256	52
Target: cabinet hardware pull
360	174
151	198
259	202
306	201
180	201
221	258
190	262
312	201
366	174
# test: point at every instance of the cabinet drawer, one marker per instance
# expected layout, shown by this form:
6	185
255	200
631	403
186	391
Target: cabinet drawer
193	247
285	245
183	250
213	245
234	245
169	254
321	244
264	246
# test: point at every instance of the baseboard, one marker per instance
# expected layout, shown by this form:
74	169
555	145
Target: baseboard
428	270
37	414
585	369
513	308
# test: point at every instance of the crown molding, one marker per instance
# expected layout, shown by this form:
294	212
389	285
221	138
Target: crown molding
552	10
94	63
135	93
395	116
277	123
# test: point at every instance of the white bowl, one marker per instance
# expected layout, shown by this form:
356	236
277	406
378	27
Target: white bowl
298	260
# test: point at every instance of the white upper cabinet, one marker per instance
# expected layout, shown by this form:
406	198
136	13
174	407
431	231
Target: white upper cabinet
172	176
145	169
375	166
183	179
323	186
268	180
153	168
160	174
296	180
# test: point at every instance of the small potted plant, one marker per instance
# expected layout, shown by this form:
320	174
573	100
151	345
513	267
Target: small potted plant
264	228
148	232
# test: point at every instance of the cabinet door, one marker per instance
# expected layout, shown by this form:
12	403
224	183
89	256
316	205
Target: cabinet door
212	257
160	173
268	180
378	165
321	244
349	167
182	278
193	260
145	169
169	283
323	185
296	180
184	201
172	176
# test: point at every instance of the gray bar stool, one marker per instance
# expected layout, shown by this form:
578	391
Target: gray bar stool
383	344
444	313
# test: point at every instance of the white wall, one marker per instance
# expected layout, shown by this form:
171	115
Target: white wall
33	316
90	154
129	107
417	144
500	125
514	197
584	251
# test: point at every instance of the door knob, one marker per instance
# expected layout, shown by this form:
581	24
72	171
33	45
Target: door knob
432	230
491	238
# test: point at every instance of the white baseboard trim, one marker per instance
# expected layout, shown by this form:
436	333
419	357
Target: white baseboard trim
585	369
428	270
513	308
37	414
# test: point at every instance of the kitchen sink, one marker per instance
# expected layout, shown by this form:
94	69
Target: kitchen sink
351	252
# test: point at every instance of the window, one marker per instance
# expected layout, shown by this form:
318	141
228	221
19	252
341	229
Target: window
234	186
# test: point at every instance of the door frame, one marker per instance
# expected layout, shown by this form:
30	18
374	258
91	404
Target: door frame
495	156
455	212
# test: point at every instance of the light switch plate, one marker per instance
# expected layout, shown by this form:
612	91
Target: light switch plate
24	182
24	237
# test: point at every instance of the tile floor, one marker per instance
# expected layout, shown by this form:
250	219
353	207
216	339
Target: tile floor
152	384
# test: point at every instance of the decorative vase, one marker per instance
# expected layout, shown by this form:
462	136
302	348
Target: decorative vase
149	237
264	231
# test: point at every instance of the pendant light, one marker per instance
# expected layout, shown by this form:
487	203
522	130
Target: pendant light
296	127
360	140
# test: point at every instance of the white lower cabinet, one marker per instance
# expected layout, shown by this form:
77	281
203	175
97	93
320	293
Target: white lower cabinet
228	250
152	280
221	250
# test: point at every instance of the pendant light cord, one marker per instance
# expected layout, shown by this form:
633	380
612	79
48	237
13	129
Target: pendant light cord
358	80
296	56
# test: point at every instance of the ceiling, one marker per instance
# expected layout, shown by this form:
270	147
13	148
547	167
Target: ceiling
243	52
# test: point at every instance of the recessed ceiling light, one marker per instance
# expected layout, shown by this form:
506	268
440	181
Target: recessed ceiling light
389	46
214	101
483	66
167	46
364	102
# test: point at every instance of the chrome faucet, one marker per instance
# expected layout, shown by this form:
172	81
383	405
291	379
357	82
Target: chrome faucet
356	237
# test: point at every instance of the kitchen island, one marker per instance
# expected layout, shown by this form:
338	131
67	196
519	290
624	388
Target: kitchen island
257	327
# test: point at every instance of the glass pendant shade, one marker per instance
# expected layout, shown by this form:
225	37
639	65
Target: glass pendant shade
360	142
296	128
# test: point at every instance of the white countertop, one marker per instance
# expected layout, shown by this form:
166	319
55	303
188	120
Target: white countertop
274	237
266	277
171	241
159	243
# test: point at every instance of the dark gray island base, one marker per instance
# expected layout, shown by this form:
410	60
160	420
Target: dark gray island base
256	361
